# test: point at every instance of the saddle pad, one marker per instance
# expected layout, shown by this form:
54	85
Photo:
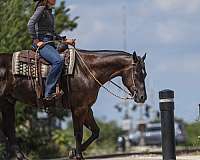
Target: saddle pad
23	63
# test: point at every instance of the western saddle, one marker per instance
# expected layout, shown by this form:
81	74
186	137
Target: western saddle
27	63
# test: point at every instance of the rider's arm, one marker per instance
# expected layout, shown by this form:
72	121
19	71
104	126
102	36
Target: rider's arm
65	40
33	20
71	42
58	37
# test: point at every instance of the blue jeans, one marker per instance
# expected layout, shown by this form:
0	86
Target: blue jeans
49	53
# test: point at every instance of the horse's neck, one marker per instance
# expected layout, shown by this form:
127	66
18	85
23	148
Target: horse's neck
108	66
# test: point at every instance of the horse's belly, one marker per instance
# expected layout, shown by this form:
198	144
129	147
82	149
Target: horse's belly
23	91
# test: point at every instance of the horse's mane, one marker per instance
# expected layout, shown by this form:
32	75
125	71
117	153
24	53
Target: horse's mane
99	52
105	52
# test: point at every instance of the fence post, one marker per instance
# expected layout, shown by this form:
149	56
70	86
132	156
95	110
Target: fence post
167	124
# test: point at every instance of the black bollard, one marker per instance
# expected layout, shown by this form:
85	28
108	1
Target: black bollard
167	124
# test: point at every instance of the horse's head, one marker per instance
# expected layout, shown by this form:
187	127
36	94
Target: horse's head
134	78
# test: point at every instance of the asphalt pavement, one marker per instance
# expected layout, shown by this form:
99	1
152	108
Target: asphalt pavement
149	157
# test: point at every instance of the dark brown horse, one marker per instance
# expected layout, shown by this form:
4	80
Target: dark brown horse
103	65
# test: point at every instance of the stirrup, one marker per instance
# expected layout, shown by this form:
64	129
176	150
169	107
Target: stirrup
54	95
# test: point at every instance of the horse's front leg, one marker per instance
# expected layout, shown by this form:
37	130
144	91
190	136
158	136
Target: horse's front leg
91	124
78	120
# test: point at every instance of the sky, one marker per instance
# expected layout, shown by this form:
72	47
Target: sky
167	30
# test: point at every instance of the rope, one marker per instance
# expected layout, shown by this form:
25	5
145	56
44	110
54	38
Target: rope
120	87
101	85
124	98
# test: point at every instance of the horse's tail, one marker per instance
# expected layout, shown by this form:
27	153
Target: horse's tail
5	63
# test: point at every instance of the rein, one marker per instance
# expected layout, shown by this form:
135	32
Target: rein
101	85
109	91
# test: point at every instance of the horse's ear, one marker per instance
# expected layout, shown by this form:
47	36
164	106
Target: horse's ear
144	57
135	58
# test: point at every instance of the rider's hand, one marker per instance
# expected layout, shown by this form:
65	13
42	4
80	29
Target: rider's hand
71	42
38	43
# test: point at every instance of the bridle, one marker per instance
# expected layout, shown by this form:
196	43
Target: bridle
129	95
140	62
134	73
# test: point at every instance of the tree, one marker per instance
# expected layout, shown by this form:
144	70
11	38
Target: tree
13	25
64	22
106	143
14	37
193	133
14	16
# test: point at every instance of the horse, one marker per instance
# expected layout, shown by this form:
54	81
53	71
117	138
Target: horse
92	70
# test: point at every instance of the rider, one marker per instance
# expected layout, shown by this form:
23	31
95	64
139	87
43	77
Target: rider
41	27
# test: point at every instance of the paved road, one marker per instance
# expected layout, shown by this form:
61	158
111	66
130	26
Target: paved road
153	158
149	157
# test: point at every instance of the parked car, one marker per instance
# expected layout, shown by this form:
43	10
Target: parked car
152	134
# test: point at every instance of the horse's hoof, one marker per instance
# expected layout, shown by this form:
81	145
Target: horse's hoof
79	157
13	153
18	156
72	154
21	156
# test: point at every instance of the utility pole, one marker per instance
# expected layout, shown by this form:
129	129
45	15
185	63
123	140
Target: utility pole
124	23
127	116
141	125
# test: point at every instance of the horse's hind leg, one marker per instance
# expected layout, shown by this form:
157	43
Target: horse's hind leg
8	125
8	121
3	139
91	124
2	136
2	142
8	128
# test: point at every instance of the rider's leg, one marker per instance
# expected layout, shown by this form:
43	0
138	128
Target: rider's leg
49	53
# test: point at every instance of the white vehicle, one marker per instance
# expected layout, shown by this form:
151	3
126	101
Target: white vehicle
152	134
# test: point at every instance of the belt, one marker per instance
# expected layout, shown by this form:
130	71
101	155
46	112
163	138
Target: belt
43	36
49	34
